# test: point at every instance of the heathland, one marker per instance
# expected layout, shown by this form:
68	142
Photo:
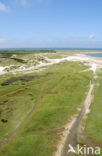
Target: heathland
40	93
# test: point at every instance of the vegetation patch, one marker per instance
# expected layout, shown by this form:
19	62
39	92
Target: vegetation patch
92	135
9	52
19	60
25	78
41	107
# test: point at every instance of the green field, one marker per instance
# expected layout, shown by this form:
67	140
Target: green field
93	125
40	107
28	51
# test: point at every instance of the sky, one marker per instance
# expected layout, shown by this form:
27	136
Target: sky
50	23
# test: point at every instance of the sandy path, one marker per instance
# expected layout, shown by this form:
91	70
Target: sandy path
72	129
2	70
71	132
92	62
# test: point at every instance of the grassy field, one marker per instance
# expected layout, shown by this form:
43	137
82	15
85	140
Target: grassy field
28	51
40	107
93	125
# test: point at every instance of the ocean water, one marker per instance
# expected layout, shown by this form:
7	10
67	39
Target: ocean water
94	54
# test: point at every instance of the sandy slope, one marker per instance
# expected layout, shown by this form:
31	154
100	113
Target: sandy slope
93	62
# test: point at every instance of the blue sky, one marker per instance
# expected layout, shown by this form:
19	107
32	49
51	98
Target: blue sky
50	23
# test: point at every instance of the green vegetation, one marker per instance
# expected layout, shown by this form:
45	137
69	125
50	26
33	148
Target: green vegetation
8	52
41	107
16	58
93	125
16	61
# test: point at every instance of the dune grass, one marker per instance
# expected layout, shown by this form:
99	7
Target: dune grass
93	126
56	98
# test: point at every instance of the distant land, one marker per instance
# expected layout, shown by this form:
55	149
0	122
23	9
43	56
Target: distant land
94	49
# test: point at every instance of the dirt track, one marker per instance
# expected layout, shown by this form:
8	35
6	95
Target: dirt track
72	136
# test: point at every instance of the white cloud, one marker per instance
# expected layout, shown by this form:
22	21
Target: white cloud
91	36
3	7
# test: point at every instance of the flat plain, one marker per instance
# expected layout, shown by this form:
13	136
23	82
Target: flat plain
39	95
